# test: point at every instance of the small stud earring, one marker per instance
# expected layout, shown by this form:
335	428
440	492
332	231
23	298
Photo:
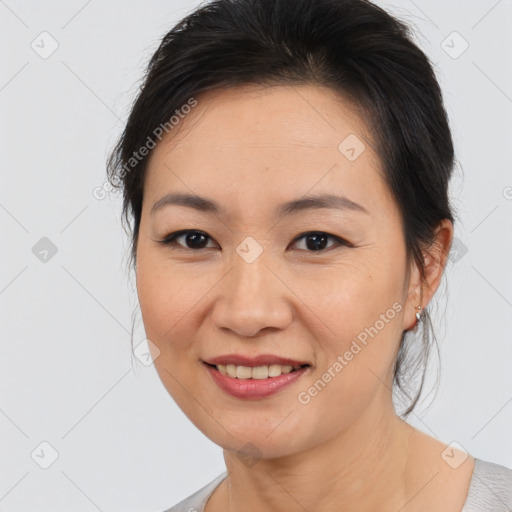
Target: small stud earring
418	313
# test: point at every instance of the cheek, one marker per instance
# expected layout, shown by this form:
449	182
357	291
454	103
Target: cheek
351	296
361	311
166	296
167	299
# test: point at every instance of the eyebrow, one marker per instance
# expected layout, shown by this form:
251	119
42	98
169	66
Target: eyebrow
203	204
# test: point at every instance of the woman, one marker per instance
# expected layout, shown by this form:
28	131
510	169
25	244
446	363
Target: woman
286	165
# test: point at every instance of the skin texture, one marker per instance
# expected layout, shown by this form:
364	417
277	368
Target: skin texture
250	149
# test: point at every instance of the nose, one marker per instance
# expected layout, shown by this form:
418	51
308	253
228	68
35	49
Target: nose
252	298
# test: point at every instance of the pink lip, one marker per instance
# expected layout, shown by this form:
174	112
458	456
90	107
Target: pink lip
261	360
254	388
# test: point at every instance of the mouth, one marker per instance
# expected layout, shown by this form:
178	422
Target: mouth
255	382
256	372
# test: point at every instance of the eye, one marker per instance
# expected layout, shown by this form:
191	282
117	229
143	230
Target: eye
316	241
194	239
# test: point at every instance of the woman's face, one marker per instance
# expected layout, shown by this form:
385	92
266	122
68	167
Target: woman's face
251	284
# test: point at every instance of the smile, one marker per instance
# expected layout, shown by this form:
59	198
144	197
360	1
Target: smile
254	382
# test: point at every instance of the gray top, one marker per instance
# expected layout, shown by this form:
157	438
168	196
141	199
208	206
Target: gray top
490	490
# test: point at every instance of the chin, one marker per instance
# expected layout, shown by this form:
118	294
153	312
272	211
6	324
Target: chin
256	437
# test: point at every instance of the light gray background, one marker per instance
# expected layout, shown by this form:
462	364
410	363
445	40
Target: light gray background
67	376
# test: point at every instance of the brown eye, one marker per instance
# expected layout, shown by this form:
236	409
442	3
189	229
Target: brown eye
193	239
316	241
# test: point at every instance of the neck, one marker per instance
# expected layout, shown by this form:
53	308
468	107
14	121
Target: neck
360	469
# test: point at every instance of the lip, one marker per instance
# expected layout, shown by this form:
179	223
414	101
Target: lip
261	360
254	389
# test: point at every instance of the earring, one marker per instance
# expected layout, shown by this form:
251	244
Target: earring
418	314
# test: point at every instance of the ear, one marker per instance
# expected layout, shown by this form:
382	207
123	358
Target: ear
435	256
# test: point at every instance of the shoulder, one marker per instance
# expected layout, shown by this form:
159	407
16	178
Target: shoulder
196	502
490	488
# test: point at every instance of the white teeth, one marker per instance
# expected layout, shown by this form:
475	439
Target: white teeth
259	372
255	372
274	370
243	372
230	369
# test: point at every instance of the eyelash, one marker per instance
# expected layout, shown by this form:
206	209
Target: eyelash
171	240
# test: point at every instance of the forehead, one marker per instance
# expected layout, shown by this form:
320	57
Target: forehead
282	139
252	115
